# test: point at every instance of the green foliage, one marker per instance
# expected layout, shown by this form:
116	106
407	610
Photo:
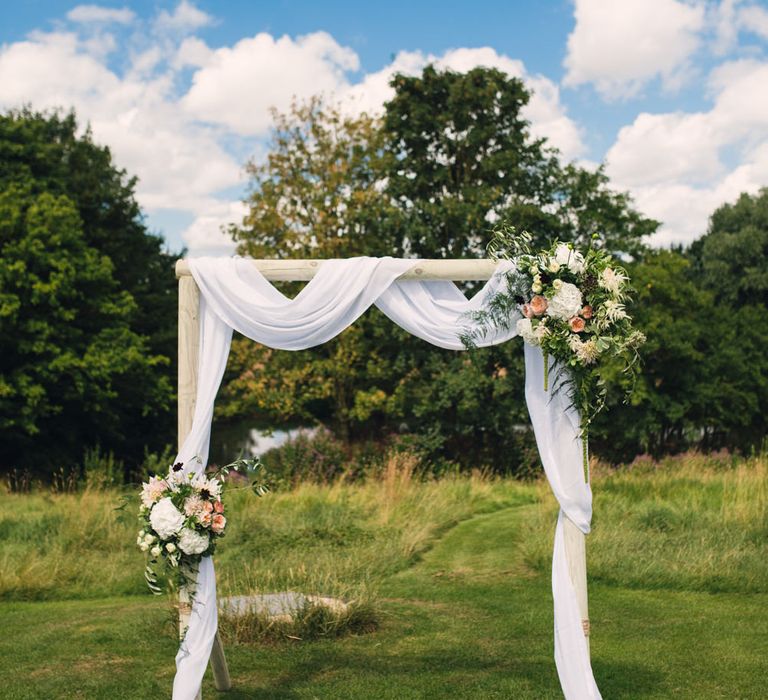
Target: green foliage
705	371
732	258
451	154
462	156
86	302
101	471
318	193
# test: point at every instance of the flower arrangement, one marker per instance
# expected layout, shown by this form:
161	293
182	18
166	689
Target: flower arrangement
182	519
573	306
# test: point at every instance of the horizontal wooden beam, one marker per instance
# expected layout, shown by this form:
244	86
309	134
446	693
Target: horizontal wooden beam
458	270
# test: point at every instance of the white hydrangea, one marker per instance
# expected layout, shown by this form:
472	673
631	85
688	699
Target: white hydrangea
165	518
525	329
193	542
566	302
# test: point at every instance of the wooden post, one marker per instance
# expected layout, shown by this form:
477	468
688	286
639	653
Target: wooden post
303	270
189	349
576	553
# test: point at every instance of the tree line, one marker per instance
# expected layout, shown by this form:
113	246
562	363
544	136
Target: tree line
87	295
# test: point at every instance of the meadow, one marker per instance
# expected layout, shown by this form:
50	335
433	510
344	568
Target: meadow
449	580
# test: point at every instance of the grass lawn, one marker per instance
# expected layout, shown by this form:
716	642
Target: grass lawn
464	601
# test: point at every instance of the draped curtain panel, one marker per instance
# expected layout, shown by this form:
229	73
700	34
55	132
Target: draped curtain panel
235	295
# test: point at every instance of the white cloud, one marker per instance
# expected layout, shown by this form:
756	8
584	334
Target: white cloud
755	20
205	235
545	111
620	46
723	18
237	86
175	143
185	18
192	52
178	163
96	14
681	166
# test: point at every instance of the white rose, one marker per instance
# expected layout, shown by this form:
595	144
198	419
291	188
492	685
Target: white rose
143	546
139	540
525	329
149	538
170	547
577	264
569	258
192	542
155	552
557	283
566	302
553	266
165	518
536	288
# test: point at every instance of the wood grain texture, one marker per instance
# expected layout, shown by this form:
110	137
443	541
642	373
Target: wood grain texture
304	270
576	553
189	350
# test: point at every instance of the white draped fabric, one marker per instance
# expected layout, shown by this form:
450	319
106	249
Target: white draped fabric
235	295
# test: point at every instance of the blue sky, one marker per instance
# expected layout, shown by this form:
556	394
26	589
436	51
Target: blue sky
671	94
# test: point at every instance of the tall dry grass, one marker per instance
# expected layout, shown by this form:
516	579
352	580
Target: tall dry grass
339	538
690	522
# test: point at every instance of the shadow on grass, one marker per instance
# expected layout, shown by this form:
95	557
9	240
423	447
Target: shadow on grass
468	674
626	681
458	675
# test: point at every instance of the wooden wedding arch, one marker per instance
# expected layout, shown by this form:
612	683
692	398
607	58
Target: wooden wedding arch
456	270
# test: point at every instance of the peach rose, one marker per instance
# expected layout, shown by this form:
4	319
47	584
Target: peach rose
218	507
204	518
219	522
527	311
586	312
538	305
208	506
577	324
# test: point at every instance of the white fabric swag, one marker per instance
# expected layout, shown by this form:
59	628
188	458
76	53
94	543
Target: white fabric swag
235	295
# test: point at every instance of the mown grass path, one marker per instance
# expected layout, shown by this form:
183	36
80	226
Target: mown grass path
468	620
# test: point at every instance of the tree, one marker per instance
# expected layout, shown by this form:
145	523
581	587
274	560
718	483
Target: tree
451	154
46	152
705	371
87	316
318	194
462	156
732	258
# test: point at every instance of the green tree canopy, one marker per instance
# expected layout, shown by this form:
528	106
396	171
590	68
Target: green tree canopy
88	301
462	156
451	153
732	258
